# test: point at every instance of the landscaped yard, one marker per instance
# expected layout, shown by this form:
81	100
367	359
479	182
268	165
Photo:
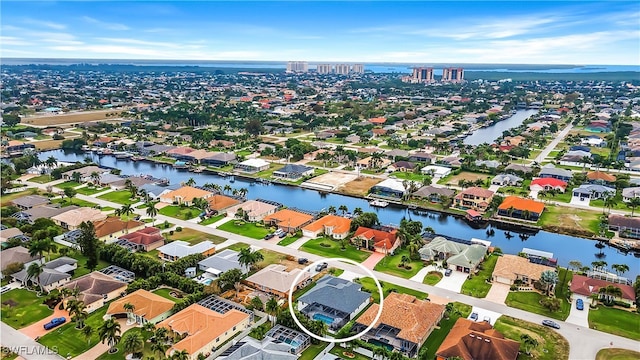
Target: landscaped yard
119	196
245	229
21	307
312	351
617	354
269	172
146	352
338	351
370	286
179	212
288	240
477	286
77	202
552	345
42	179
615	321
90	190
194	236
438	335
432	278
332	249
464	175
530	301
69	340
390	265
408	175
67	184
213	219
165	293
270	257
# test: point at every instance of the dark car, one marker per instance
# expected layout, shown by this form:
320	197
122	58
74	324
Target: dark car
54	322
448	272
303	261
269	236
282	235
551	323
579	304
474	316
322	266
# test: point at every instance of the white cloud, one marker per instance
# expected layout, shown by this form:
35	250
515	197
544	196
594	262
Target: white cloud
10	40
44	23
105	25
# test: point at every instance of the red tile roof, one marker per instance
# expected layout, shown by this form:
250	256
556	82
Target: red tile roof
477	341
549	182
599	175
382	239
476	191
519	203
146	236
583	285
378	120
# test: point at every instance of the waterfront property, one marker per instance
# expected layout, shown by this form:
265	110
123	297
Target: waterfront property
178	249
587	286
433	193
468	260
252	166
71	220
275	279
384	242
390	188
404	325
147	307
320	303
252	210
521	208
440	249
219	159
293	172
288	220
478	341
628	227
219	203
96	289
475	198
185	195
154	191
337	227
86	173
512	268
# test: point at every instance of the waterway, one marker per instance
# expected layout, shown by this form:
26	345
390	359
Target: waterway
490	134
565	248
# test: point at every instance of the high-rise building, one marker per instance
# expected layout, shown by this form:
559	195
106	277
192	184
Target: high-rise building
357	69
324	69
342	69
297	67
422	75
453	75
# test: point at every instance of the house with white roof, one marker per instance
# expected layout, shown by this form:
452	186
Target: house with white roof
436	171
178	249
221	262
253	165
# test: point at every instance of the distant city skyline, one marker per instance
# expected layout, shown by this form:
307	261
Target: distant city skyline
574	32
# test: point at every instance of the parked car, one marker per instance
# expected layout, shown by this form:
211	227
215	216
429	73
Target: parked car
54	322
579	304
283	234
322	266
303	261
551	323
269	236
474	316
448	272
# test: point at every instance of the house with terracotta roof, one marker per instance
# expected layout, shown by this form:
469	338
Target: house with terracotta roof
220	203
110	229
253	210
148	307
337	227
475	198
546	184
405	322
96	289
378	120
376	240
145	239
71	220
275	279
521	208
200	330
586	286
599	177
288	220
185	195
512	268
471	340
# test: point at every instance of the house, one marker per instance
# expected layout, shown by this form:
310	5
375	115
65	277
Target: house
389	187
395	153
154	191
110	229
384	242
586	286
422	157
405	323
96	289
546	184
297	341
475	198
17	254
438	172
512	268
372	163
593	191
599	177
49	279
85	173
467	260
252	210
47	211
550	171
470	340
10	233
520	208
275	279
628	227
593	140
320	303
506	180
178	249
288	220
252	165
630	193
220	159
221	262
136	181
106	179
71	220
293	172
147	307
433	193
185	195
378	120
489	164
15	147
201	330
403	166
268	348
145	239
219	203
337	227
353	138
517	168
30	201
440	248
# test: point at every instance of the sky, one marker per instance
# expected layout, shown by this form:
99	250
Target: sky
507	32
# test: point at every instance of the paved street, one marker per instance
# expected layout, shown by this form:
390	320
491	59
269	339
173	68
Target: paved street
25	346
552	145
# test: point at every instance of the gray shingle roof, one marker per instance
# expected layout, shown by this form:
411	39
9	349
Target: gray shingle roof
330	288
223	261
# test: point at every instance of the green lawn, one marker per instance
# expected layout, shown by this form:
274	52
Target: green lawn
67	184
42	179
90	190
617	354
68	202
530	301
270	257
439	334
328	164
312	351
21	307
408	175
552	345
288	240
432	278
164	292
477	286
194	236
146	352
245	229
370	286
69	340
269	172
338	351
119	196
332	249
390	265
7	198
582	222
615	321
211	220
179	212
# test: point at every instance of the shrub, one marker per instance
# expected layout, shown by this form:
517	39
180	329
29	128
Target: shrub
170	232
179	228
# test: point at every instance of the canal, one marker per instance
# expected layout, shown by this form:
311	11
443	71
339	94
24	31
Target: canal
490	134
565	248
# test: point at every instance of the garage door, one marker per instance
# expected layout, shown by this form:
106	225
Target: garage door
503	280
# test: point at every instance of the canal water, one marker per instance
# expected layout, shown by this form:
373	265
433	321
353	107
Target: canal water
490	134
565	248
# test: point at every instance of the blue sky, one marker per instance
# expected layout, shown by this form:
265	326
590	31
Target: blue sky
547	32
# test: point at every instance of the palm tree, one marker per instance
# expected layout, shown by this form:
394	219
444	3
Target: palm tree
272	309
88	332
405	259
633	204
109	331
129	308
78	312
249	258
528	342
76	176
190	182
332	209
37	247
343	209
125	210
95	177
152	212
242	192
180	355
357	211
227	188
148	327
609	202
548	279
33	273
620	269
132	343
600	264
378	351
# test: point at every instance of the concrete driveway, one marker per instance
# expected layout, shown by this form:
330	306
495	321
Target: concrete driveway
453	282
498	292
485	315
577	200
579	317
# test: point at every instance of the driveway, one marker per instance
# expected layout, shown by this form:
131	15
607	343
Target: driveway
372	260
453	282
37	329
485	315
419	277
494	188
576	200
498	292
579	317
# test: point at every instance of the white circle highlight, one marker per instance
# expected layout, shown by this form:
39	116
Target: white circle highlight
333	340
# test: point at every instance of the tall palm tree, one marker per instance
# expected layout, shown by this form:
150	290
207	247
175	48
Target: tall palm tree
37	247
95	177
272	309
343	208
357	211
76	176
528	342
148	327
152	212
125	210
132	343
109	331
242	192
88	332
129	308
620	269
633	204
332	209
33	273
227	188
180	355
78	312
190	182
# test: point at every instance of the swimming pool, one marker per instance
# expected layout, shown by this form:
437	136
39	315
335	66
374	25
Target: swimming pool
380	343
324	318
207	281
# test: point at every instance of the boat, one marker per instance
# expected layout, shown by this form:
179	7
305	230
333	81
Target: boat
122	155
137	158
412	207
85	148
378	203
180	165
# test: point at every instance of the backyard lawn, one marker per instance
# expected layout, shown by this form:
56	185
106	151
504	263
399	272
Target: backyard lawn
390	265
578	221
119	196
120	354
245	229
338	351
369	285
269	172
552	345
617	354
67	184
90	190
312	351
42	179
530	301
408	175
179	212
432	278
194	236
477	286
439	334
332	249
615	321
165	293
270	257
29	308
69	340
77	202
